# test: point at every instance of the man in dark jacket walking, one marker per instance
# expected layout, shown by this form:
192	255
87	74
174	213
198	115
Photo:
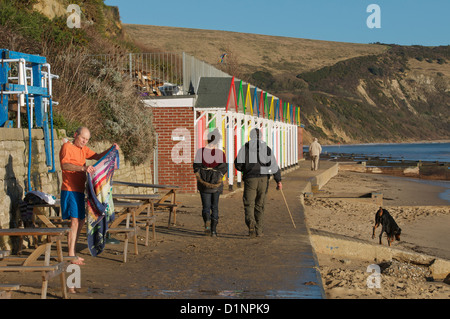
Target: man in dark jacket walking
257	163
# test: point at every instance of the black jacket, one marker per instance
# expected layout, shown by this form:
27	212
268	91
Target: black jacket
203	161
256	159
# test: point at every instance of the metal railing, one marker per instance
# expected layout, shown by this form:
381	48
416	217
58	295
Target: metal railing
162	73
194	69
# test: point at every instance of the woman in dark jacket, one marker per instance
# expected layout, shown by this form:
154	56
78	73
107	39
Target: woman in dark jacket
210	166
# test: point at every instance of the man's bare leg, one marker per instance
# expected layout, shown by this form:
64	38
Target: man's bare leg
75	228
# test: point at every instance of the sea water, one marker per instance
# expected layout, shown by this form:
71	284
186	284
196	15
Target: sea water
407	151
427	152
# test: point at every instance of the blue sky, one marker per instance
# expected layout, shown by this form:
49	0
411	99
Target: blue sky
405	22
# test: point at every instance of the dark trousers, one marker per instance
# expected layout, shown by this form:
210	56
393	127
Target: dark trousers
255	190
210	203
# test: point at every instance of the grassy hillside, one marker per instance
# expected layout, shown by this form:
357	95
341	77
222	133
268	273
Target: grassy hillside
279	56
347	92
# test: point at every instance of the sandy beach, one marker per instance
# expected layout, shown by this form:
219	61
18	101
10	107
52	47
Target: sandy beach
422	215
184	263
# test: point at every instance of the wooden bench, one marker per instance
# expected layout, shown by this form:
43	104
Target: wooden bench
32	262
168	201
117	226
5	289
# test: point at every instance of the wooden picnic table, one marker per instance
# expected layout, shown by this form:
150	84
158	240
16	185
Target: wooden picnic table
31	263
128	213
140	204
115	226
48	220
130	209
137	196
165	201
169	196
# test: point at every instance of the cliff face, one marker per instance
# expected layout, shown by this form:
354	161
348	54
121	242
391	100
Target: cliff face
50	8
94	12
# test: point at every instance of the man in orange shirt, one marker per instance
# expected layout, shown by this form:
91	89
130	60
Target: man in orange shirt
73	157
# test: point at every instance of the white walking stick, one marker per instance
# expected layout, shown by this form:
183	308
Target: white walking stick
287	207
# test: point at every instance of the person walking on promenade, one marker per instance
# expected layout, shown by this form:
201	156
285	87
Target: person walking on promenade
210	165
314	152
73	157
257	163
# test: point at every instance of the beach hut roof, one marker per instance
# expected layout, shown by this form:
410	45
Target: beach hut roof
214	92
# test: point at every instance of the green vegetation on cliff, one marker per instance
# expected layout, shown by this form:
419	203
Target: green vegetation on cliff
402	94
90	94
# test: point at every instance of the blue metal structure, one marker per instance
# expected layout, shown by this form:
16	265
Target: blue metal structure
33	91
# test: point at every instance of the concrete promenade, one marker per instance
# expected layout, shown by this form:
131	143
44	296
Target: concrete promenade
282	263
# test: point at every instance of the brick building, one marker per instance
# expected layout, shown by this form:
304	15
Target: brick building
173	119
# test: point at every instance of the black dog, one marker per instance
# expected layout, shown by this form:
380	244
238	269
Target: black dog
388	225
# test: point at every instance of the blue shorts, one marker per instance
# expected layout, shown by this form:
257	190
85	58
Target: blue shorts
72	205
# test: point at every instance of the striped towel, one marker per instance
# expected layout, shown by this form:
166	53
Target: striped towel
100	207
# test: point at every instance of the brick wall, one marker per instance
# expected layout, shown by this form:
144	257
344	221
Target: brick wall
175	157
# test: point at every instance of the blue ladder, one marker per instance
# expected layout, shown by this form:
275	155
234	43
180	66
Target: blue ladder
40	93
